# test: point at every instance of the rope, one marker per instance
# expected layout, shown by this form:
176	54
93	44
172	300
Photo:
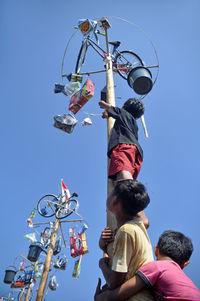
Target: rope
63	59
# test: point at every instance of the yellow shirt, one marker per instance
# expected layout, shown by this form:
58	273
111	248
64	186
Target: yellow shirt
131	250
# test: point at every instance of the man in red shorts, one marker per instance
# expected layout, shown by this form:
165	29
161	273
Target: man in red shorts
124	150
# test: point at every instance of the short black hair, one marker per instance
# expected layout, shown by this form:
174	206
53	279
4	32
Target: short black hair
176	246
135	107
132	196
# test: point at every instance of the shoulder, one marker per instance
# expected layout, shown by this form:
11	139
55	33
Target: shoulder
113	109
132	230
151	266
129	226
160	267
135	225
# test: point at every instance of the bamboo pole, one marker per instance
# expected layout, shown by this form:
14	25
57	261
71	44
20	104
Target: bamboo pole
69	221
63	235
28	292
111	100
30	284
21	293
114	69
22	256
47	264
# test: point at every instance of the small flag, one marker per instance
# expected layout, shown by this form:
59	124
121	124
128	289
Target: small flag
65	191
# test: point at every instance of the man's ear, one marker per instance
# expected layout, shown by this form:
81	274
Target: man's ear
115	200
185	264
116	204
156	251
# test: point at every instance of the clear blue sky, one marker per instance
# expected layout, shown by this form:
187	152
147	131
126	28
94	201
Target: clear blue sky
35	155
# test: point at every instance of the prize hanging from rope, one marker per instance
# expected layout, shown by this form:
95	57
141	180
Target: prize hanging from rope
129	65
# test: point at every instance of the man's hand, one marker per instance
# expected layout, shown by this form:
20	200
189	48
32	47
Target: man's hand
107	236
104	105
101	294
104	261
105	114
98	291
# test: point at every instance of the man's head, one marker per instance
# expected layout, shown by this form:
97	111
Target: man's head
131	195
135	107
176	246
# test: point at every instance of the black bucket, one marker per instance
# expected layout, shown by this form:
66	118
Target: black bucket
140	80
34	252
9	276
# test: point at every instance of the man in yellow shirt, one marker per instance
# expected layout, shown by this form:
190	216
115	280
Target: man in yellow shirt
132	247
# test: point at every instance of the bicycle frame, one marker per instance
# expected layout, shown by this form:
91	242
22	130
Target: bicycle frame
60	204
89	42
119	58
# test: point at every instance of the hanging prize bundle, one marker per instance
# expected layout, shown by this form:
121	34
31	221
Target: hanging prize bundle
65	122
82	96
78	243
57	248
60	262
45	236
77	268
39	270
53	283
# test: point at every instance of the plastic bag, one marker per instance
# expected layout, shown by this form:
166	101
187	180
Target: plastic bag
83	229
86	121
53	283
69	89
73	77
32	214
31	237
39	271
60	262
45	237
57	248
86	25
22	266
65	122
28	276
29	222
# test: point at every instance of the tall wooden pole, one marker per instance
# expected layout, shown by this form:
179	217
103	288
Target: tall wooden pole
30	284
111	100
21	294
47	264
28	292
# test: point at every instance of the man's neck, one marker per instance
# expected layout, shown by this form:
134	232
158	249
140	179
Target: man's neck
162	257
121	220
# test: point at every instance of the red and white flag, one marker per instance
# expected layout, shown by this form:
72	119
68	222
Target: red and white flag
65	192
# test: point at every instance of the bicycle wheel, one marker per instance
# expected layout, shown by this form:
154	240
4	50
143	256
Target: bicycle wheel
48	205
67	208
127	59
81	57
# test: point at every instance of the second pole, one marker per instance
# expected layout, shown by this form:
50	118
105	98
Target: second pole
47	264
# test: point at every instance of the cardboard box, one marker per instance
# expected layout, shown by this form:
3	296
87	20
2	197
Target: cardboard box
82	96
78	244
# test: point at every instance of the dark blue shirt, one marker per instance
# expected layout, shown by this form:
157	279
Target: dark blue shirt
124	131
